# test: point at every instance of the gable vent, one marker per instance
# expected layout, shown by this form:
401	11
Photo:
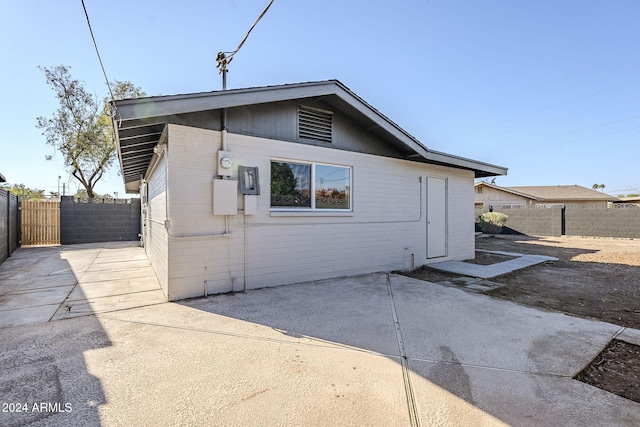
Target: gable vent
314	124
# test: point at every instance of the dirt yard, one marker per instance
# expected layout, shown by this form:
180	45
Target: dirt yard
596	278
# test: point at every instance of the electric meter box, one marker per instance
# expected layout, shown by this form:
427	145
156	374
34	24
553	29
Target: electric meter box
225	161
225	197
250	205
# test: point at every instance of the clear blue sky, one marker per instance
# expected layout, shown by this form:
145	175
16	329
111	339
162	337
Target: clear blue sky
549	89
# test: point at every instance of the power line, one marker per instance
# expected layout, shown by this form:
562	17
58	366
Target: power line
112	113
562	134
552	79
224	58
561	104
573	140
572	114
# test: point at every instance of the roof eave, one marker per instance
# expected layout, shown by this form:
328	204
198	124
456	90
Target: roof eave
159	106
163	106
481	169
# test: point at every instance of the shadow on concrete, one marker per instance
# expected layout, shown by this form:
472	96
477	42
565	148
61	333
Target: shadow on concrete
472	360
39	284
45	380
44	363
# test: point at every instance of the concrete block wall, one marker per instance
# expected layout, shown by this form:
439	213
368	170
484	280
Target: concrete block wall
98	222
580	220
531	221
602	222
385	231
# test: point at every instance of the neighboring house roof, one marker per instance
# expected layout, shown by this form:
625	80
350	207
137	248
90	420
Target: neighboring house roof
2	178
564	192
544	193
139	123
628	199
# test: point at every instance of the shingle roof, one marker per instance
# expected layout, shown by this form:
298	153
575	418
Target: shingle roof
562	192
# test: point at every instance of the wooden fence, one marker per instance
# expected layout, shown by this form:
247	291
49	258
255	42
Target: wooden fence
40	222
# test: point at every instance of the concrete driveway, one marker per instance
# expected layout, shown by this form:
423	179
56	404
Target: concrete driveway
371	350
39	284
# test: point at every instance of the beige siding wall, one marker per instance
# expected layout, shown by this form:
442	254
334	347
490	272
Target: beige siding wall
387	226
491	196
155	235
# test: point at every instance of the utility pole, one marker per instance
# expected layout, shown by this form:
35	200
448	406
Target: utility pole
224	58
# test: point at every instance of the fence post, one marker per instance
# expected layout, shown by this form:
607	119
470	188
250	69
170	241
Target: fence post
19	220
8	224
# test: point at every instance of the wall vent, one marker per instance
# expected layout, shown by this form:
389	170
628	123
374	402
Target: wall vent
314	124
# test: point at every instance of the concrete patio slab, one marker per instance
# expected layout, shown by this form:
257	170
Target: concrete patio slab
632	336
35	297
105	304
492	270
301	311
492	334
117	255
115	264
104	275
469	393
35	283
107	288
57	277
27	315
312	354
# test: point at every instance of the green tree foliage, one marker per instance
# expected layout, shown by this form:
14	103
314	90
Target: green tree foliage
492	222
82	194
80	129
24	192
598	187
283	182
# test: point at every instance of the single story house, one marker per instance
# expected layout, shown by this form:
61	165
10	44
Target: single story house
490	195
629	200
266	186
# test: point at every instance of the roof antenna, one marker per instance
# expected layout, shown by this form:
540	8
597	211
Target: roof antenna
224	58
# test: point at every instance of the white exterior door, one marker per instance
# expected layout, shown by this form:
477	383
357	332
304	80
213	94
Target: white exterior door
436	217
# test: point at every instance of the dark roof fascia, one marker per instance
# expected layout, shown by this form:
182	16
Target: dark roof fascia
160	106
482	169
2	178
